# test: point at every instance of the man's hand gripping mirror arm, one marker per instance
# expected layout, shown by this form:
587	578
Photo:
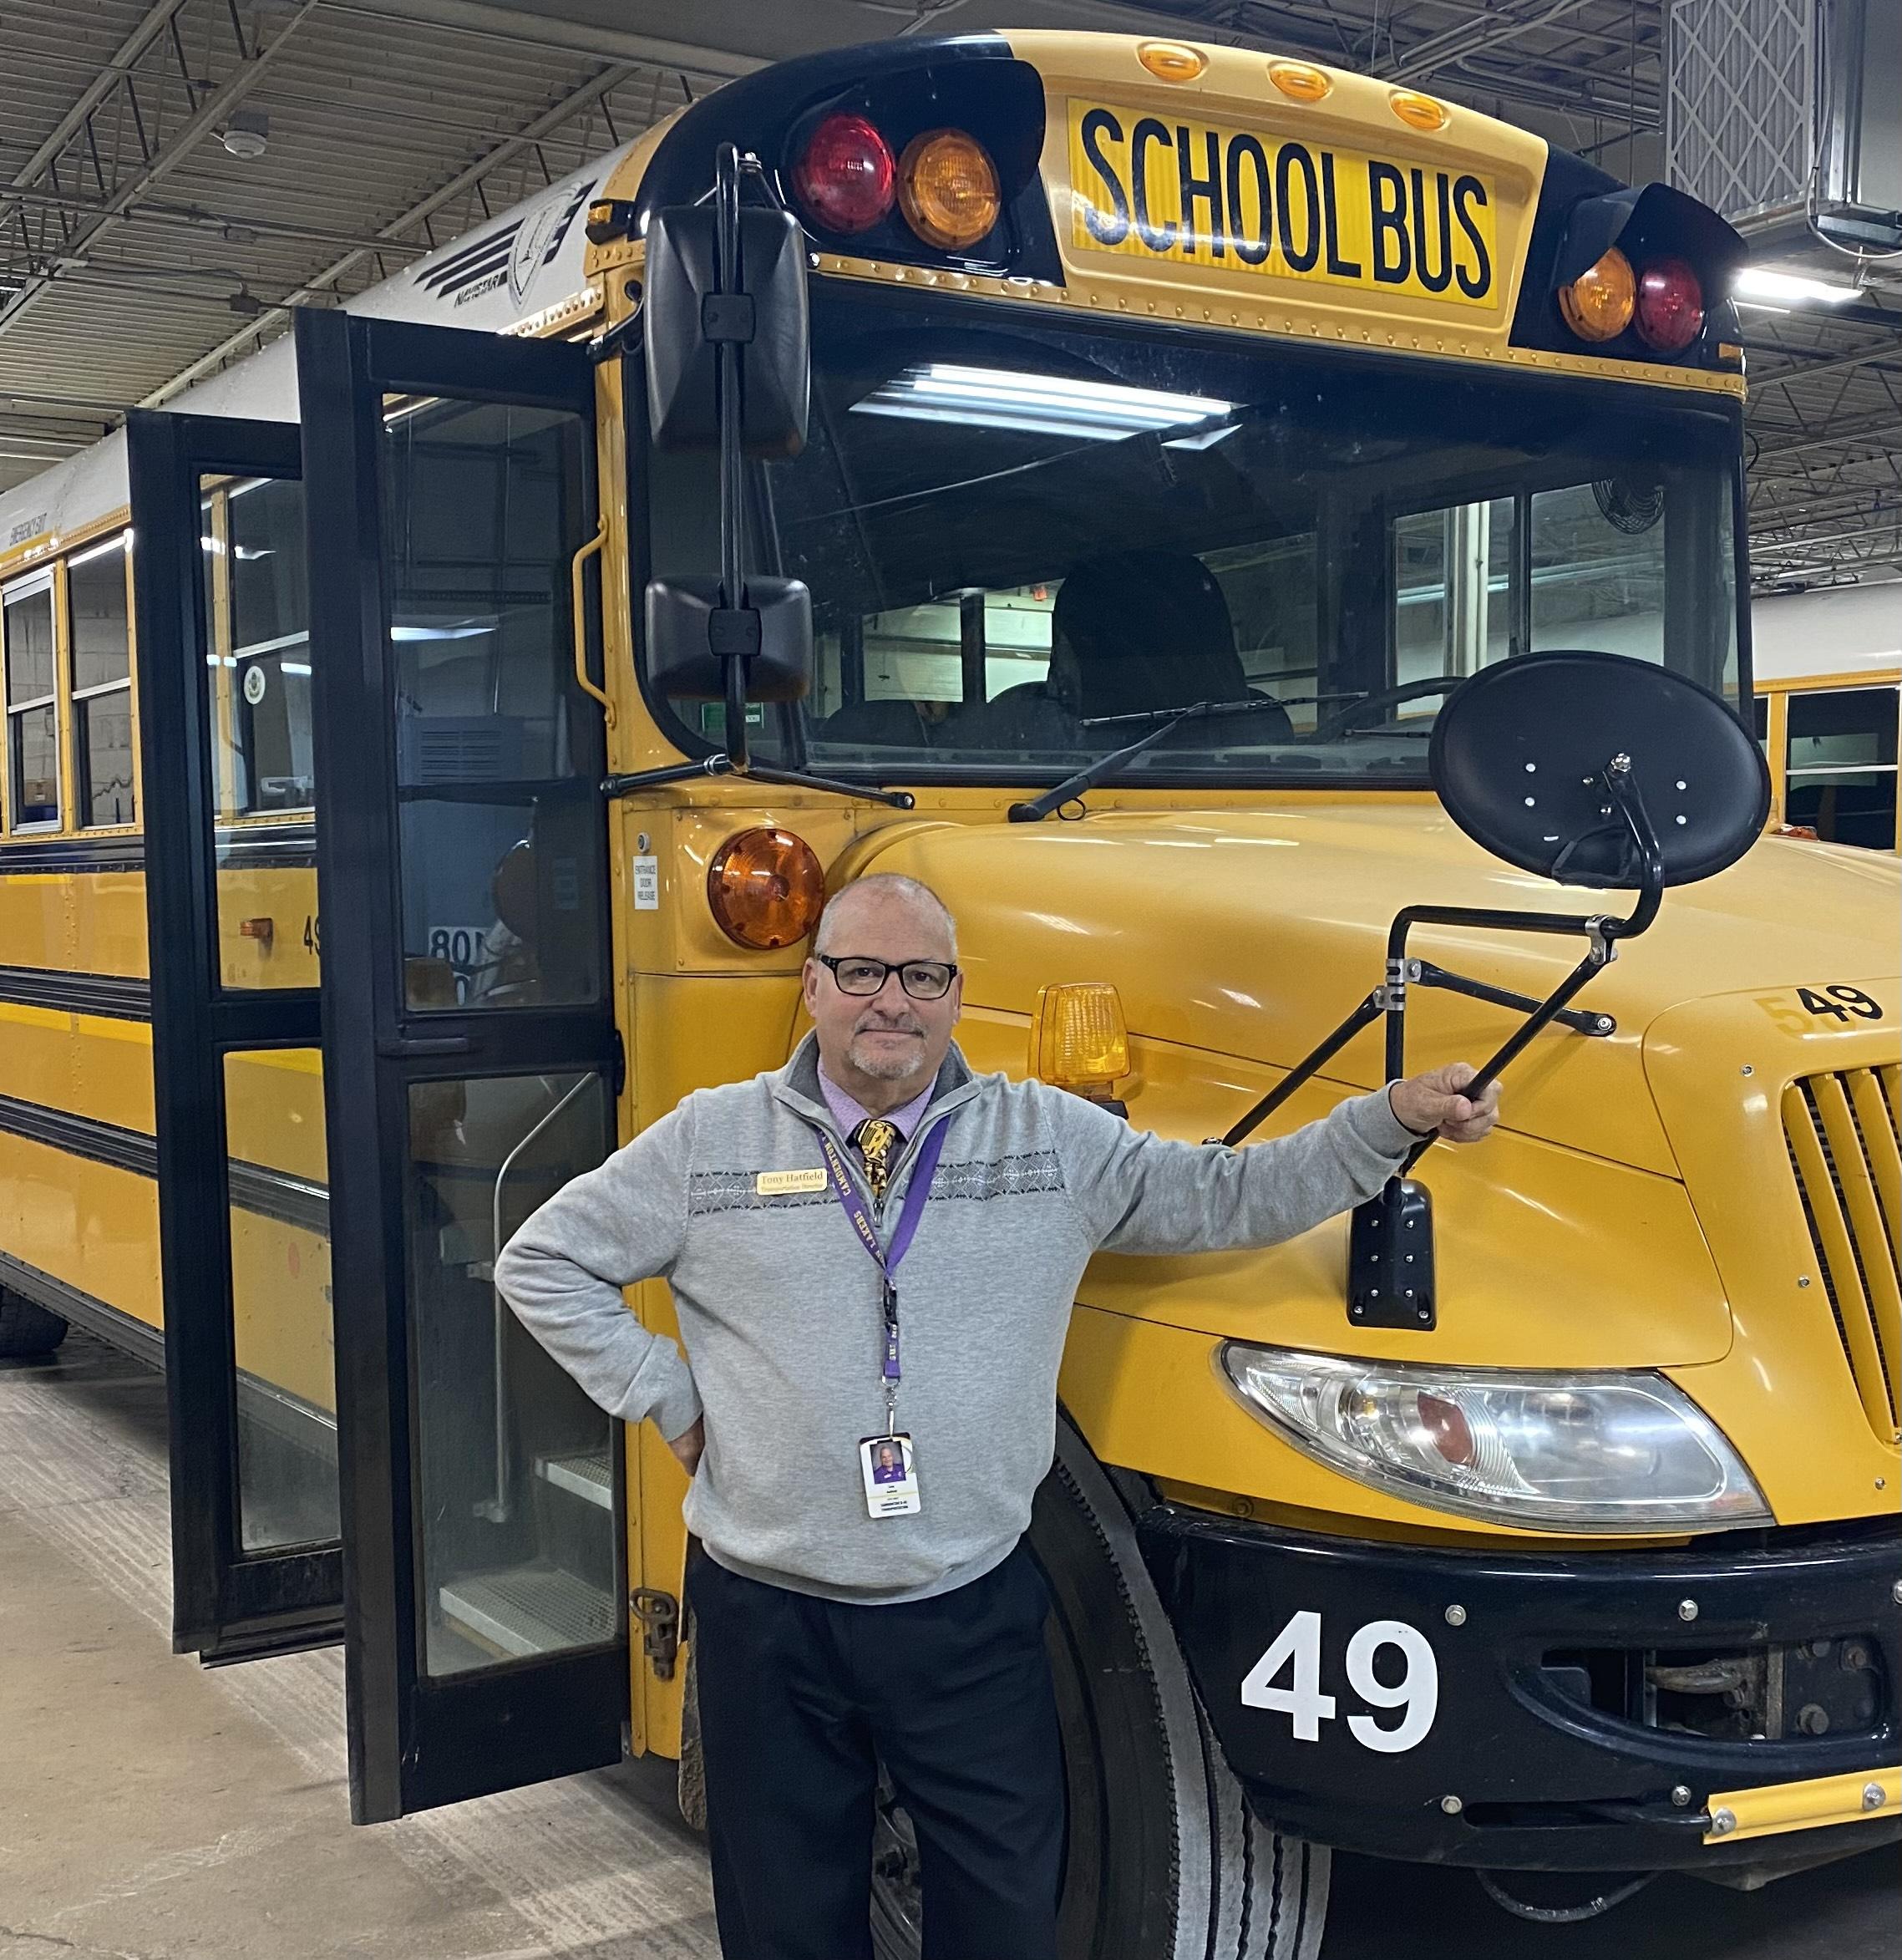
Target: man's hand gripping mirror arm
1142	1193
563	1272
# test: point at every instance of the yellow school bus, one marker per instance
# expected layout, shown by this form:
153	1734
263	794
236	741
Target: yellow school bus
1142	375
1829	676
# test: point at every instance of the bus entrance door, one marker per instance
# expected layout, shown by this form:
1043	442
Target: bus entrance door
470	1057
226	795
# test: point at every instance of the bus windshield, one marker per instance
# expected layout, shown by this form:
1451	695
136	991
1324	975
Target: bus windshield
1021	538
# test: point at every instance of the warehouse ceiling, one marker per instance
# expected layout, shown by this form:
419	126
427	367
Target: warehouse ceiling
175	175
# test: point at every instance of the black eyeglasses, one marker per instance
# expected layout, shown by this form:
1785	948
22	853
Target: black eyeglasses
922	979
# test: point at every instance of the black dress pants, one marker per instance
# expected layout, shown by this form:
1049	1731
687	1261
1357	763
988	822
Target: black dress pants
801	1698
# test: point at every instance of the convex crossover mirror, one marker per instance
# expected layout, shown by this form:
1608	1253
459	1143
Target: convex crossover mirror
1519	753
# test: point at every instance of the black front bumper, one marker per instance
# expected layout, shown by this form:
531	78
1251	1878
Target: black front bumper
1524	1765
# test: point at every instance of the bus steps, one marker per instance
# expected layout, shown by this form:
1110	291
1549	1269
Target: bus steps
588	1474
527	1610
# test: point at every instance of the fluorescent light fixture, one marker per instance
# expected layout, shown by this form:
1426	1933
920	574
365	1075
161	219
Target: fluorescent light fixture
1760	285
121	542
293	667
1035	404
469	630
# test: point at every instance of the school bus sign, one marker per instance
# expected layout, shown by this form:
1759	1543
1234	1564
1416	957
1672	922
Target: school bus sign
1198	193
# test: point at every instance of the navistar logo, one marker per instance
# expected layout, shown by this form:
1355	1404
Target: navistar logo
513	255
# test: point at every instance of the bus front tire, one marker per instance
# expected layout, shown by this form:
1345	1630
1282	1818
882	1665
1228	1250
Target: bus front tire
27	1330
1164	1860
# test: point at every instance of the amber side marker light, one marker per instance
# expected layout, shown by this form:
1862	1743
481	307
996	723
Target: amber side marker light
1078	1039
1598	304
765	888
947	188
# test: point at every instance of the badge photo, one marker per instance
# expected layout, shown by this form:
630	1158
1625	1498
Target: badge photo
891	1476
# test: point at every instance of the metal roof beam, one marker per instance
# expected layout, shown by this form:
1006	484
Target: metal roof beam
319	283
157	18
545	31
208	113
220	221
1474	37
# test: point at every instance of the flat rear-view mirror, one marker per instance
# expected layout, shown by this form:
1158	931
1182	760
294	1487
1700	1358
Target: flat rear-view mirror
690	311
692	636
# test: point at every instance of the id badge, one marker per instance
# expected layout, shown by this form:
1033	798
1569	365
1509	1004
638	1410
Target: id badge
890	1476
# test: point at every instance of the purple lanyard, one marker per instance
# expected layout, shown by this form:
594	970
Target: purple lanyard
887	1258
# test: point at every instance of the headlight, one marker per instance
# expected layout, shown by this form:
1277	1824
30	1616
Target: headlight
1621	1453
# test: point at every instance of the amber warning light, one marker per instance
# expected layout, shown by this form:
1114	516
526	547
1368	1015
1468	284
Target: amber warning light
765	888
1078	1039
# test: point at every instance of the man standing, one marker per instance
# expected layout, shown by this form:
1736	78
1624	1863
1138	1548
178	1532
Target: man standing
875	1252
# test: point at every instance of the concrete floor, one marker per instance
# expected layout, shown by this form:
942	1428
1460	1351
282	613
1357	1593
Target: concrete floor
150	1810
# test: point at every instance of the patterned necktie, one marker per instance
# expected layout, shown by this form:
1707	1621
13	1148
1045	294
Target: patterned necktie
877	1141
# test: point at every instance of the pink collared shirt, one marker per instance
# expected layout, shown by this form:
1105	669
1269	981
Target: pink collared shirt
848	1114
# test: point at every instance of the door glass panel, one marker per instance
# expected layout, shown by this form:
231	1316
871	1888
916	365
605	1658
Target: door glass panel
515	1476
1842	765
500	825
257	674
281	1304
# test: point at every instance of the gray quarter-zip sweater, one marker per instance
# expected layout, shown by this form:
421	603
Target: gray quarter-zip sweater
780	1305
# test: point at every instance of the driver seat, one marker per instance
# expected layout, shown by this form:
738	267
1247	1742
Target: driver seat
1136	631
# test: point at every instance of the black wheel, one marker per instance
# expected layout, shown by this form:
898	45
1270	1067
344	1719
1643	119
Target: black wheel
27	1330
1164	1858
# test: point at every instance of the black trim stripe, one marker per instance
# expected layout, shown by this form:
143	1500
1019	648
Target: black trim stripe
110	1323
252	846
253	1187
77	993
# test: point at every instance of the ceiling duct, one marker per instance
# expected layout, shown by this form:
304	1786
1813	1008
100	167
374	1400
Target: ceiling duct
1859	178
1785	116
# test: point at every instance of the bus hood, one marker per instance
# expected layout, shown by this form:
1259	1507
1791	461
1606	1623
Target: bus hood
1237	939
1251	933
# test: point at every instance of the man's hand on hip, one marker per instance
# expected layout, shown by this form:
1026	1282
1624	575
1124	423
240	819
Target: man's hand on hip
689	1442
1432	1105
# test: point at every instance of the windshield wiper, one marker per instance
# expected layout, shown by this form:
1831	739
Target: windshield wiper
1105	766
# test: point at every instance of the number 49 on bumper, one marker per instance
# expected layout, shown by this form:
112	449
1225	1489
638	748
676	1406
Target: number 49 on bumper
1296	1652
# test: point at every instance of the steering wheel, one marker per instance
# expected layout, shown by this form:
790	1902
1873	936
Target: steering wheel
1354	711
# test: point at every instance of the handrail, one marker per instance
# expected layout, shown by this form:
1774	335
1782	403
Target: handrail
590	550
496	1508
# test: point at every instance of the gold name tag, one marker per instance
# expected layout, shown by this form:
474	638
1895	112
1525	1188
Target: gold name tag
775	1183
1204	194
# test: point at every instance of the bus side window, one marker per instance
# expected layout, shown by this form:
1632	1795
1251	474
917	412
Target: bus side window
271	648
98	621
1841	763
33	712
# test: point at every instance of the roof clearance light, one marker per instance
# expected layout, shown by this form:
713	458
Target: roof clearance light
1598	304
1417	112
1172	61
947	188
846	179
1671	306
1035	404
765	888
1299	81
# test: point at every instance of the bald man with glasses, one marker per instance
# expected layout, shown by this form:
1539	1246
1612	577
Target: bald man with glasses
873	1252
